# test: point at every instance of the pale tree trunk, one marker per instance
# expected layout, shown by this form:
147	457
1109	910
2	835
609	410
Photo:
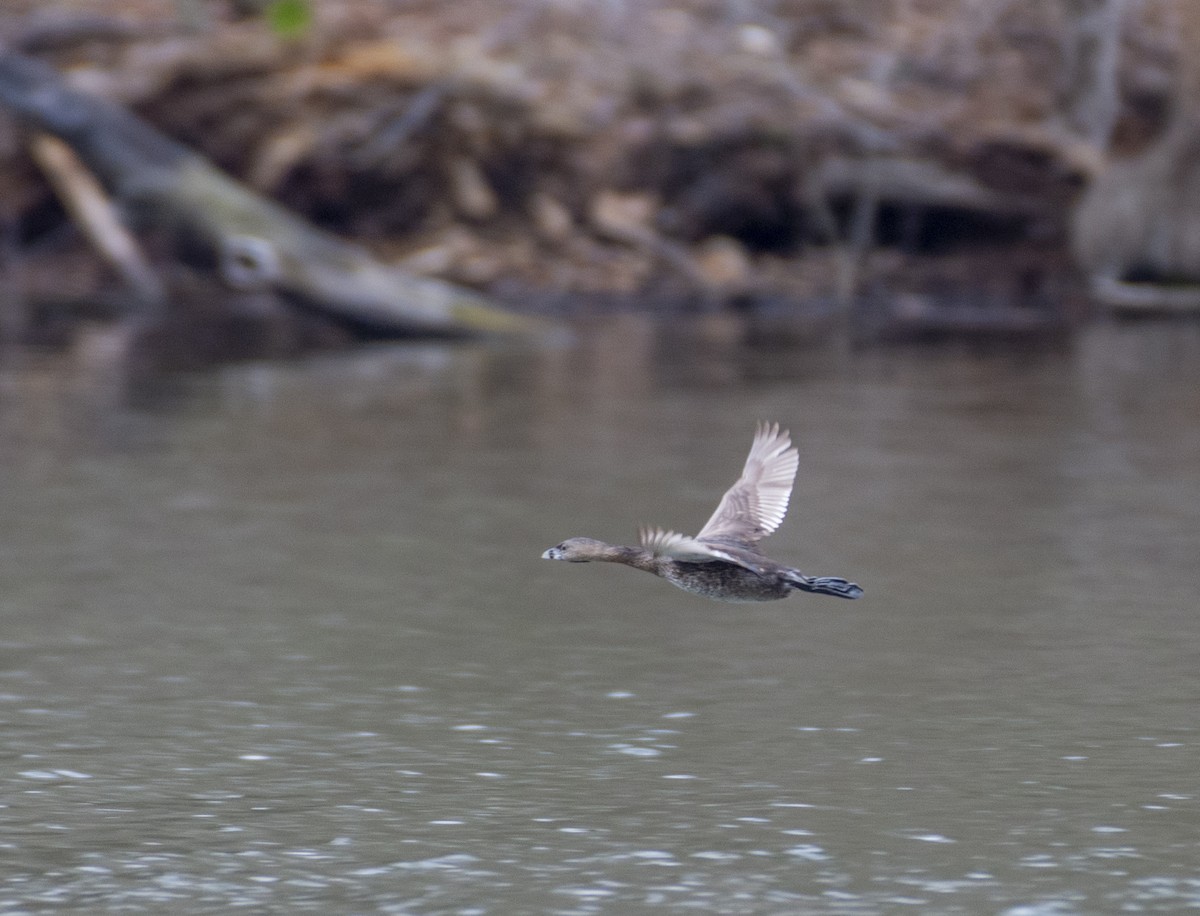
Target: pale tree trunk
1088	93
1141	218
1188	73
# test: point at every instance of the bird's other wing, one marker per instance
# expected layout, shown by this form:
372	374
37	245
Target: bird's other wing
755	506
675	546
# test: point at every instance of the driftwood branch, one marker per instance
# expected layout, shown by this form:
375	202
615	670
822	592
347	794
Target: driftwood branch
1146	298
254	241
92	210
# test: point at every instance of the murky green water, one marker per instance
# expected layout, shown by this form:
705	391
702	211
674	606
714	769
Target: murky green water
285	643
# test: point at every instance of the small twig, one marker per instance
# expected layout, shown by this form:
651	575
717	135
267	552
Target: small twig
96	216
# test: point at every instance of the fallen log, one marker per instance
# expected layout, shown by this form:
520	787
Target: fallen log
252	241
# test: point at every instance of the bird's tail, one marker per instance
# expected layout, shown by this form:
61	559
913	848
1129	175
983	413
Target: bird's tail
824	585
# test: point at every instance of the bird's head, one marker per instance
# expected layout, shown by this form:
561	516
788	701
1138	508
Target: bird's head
576	550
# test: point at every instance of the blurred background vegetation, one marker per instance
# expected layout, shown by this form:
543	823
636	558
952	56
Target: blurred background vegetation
921	166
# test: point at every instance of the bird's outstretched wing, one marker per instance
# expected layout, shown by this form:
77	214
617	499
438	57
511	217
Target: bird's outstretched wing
755	506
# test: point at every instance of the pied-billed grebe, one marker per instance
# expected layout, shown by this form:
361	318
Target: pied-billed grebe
723	561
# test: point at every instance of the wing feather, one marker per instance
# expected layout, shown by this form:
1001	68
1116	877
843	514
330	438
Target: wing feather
676	546
755	506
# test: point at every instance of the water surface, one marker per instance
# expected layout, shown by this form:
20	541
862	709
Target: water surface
283	641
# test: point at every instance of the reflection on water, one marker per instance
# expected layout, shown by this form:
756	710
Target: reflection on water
283	641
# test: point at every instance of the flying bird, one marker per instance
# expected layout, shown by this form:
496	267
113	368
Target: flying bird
723	561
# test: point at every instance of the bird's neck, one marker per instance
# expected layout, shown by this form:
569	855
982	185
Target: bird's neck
637	557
